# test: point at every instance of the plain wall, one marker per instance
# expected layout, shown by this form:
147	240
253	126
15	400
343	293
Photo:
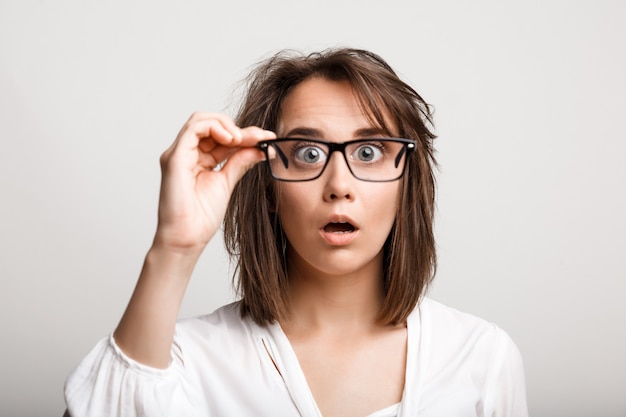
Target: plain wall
531	228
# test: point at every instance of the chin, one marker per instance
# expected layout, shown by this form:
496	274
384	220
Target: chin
347	265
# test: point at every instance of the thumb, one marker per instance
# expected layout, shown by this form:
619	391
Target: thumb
239	163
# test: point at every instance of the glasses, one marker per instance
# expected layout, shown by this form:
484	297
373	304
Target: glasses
375	160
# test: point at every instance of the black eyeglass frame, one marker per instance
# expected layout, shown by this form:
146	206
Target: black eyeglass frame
409	146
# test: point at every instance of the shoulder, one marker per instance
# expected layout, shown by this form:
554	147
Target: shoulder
215	338
226	314
226	318
448	333
224	327
465	361
454	324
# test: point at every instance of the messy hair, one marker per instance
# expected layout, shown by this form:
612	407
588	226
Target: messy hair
252	230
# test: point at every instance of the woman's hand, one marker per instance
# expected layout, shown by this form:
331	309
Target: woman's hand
194	196
194	193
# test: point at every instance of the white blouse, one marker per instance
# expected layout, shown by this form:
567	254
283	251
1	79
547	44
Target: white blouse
222	365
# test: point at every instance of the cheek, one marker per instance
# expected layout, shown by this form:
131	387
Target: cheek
386	200
291	204
286	197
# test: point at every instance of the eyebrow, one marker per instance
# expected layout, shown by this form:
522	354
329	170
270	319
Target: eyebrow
309	132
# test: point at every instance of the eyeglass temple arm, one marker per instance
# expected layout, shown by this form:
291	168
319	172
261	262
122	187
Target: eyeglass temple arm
265	146
400	155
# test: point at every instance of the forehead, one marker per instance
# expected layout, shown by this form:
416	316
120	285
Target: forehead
332	107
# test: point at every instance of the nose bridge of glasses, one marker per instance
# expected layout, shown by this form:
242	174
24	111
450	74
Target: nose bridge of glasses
341	149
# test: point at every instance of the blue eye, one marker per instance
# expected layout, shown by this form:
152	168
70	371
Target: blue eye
310	154
367	152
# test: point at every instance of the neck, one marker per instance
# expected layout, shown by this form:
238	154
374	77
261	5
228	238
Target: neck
342	302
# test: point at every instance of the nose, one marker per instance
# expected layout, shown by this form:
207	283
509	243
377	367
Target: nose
338	179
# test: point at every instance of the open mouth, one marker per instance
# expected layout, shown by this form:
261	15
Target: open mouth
341	227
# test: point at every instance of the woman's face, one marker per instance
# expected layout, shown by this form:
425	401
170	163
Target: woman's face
335	224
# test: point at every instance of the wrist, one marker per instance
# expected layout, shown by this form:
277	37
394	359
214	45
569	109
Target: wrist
168	240
172	260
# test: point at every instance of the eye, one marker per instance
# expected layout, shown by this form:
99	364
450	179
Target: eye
309	154
367	152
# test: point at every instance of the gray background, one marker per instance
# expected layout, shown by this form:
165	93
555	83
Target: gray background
531	228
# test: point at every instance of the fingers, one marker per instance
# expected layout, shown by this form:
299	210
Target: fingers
252	135
241	161
212	153
207	139
222	130
218	127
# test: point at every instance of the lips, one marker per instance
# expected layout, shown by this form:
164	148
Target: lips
339	230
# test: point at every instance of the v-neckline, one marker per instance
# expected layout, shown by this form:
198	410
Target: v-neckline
286	362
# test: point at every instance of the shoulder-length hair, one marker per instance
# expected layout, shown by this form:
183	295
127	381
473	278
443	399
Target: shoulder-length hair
252	230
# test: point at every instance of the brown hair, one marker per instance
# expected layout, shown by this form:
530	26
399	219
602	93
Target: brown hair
252	230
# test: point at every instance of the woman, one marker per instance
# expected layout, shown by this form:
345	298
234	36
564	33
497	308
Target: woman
333	238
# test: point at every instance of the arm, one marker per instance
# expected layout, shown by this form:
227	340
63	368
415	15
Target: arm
192	204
